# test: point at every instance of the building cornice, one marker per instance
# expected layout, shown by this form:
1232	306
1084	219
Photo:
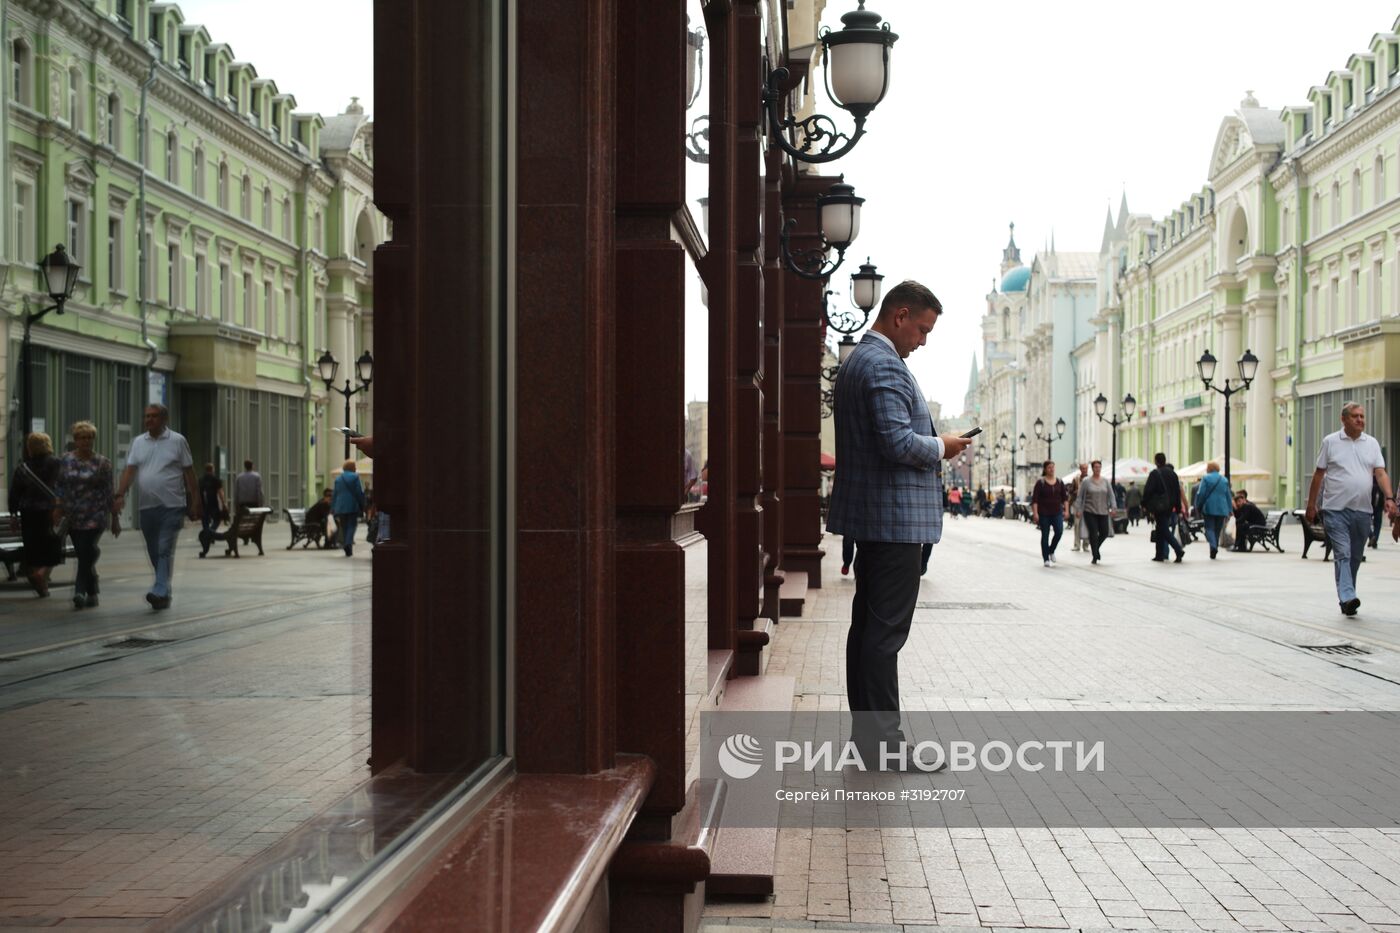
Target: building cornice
1354	134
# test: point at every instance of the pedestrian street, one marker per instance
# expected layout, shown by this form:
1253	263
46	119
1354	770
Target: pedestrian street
1239	633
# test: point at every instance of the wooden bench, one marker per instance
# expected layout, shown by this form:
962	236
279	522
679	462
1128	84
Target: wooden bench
247	526
316	534
1266	534
12	548
1313	531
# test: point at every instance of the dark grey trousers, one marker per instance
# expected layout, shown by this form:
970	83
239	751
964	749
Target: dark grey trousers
887	589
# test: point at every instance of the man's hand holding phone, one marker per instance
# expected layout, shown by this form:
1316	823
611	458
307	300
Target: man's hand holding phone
954	444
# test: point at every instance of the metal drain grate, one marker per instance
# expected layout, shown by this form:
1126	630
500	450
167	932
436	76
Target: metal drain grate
1347	649
967	607
138	642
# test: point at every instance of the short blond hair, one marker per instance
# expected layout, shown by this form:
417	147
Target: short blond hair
348	466
1212	467
38	444
82	427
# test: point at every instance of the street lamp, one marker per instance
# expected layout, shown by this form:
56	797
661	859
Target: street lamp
838	225
1006	444
1049	441
1100	409
1249	366
326	367
843	351
865	295
60	277
857	77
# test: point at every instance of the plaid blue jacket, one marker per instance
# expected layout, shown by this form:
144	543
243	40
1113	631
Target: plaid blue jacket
889	477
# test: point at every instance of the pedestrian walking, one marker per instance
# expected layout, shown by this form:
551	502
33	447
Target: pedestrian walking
955	499
1377	512
1049	509
247	489
1164	499
1134	501
347	502
1347	463
1096	502
889	498
160	465
213	505
1076	509
86	498
1215	503
31	510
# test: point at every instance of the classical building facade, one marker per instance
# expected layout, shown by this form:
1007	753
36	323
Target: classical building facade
225	240
1035	315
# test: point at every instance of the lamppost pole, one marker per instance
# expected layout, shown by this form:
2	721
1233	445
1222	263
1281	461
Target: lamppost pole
60	275
1100	409
1248	366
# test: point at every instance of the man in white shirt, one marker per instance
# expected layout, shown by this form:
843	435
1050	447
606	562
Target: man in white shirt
160	464
1346	465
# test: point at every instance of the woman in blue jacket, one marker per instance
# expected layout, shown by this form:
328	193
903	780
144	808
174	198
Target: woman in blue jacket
1213	500
347	502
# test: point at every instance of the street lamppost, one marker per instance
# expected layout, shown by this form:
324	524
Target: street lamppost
1049	441
1100	409
364	369
984	454
60	277
844	349
1020	444
1249	366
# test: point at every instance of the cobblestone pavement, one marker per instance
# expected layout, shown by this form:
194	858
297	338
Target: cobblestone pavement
146	755
1129	634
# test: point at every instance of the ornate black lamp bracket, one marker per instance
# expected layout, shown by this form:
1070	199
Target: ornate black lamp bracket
809	263
821	141
697	141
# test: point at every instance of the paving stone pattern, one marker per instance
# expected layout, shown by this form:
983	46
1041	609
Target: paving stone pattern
132	784
1127	635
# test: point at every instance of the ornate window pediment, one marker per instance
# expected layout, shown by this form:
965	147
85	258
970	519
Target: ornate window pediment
78	177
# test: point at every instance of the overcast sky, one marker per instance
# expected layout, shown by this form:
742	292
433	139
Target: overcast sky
1033	112
321	52
1045	114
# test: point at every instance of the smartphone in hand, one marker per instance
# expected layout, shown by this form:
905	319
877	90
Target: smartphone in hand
973	433
349	432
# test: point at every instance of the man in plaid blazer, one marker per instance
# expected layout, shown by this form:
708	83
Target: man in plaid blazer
888	496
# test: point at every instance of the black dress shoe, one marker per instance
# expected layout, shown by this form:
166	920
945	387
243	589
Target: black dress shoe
1350	606
1178	558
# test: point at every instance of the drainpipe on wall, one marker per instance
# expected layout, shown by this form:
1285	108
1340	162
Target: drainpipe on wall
308	329
1293	396
143	260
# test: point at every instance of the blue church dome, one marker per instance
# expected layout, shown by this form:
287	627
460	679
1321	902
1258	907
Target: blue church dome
1015	280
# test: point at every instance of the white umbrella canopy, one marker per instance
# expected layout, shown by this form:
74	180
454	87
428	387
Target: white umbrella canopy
1131	468
1238	470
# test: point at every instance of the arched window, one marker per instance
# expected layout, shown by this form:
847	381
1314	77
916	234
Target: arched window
1283	229
20	76
245	199
1378	181
114	120
1316	224
317	240
172	157
1356	192
198	170
286	218
75	100
1336	203
267	208
223	185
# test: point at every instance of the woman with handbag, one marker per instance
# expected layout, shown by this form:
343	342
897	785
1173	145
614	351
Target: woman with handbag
32	500
347	502
1213	499
85	499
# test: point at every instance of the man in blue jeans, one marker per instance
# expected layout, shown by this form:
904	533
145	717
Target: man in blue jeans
1049	509
1348	463
160	464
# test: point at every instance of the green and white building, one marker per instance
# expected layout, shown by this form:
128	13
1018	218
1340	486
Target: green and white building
225	241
